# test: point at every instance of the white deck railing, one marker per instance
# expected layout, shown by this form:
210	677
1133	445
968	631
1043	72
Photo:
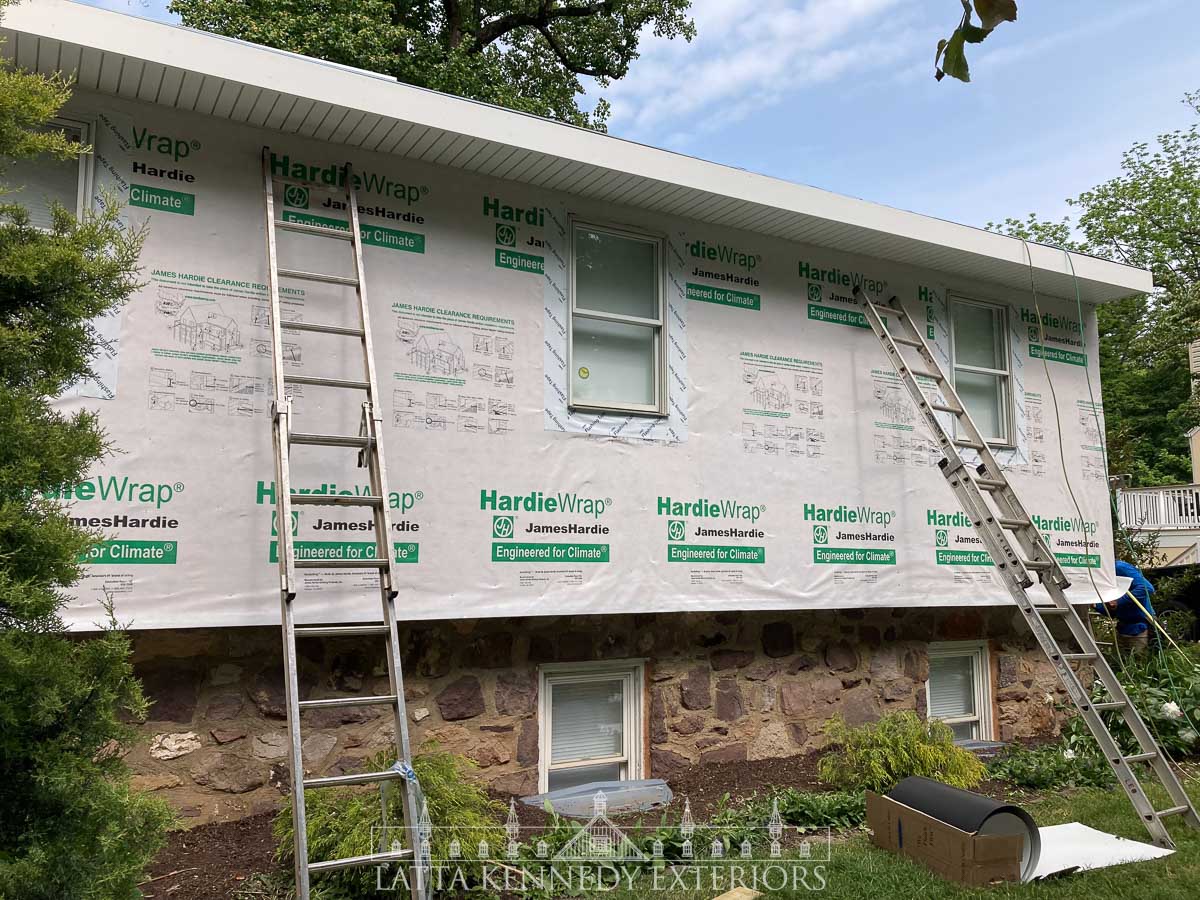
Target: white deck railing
1158	509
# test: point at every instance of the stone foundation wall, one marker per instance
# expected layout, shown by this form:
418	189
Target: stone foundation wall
723	686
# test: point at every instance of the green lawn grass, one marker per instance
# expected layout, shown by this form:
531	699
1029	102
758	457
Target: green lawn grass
860	870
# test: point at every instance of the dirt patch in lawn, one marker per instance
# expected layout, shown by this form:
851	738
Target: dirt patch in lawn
210	862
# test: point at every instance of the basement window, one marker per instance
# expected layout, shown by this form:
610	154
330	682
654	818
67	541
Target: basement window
982	375
959	689
590	723
39	182
617	340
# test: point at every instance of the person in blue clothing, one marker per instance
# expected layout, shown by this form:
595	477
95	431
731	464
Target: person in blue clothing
1133	629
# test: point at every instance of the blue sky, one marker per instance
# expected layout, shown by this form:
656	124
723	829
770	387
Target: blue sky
839	94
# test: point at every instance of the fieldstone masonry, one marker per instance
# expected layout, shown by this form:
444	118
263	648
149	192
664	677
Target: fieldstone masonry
719	687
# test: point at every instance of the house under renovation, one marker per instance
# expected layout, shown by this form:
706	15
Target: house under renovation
658	497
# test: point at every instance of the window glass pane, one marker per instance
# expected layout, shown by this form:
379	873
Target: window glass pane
977	336
965	731
38	181
983	397
613	364
565	778
587	720
951	687
616	274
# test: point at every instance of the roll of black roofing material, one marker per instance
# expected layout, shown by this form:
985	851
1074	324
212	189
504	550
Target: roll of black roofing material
972	813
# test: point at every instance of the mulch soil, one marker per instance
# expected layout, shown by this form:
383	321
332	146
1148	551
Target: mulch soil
210	862
213	862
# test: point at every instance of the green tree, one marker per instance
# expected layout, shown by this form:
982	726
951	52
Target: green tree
70	826
523	54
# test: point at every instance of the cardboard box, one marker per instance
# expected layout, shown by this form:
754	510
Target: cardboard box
972	859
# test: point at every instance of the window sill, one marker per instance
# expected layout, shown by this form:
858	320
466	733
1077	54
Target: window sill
616	411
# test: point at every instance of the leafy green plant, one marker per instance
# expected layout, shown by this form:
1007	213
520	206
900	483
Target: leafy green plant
1050	767
1165	688
879	755
812	810
344	822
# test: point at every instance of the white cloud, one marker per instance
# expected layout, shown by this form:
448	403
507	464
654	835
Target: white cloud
751	53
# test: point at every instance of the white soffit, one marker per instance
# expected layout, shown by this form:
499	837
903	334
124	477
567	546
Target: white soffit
137	59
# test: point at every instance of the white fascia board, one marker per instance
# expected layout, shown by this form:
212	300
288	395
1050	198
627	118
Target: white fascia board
244	63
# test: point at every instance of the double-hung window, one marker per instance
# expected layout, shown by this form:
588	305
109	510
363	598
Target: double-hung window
39	182
982	376
590	723
617	345
959	688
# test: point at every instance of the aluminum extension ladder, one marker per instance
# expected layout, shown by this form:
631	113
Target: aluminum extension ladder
370	456
1017	557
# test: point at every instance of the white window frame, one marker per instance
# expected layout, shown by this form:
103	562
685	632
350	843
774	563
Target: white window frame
1007	437
632	674
83	185
981	667
659	408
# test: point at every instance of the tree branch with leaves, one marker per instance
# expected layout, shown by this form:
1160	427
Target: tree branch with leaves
527	55
951	56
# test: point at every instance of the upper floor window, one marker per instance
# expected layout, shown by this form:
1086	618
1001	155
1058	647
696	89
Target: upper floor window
617	344
39	182
982	374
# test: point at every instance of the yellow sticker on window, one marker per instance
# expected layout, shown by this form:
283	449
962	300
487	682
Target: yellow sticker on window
584	372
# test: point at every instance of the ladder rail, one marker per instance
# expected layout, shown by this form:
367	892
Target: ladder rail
370	450
1004	522
377	469
285	550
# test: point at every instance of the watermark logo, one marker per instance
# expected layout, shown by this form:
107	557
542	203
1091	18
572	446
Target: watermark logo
502	527
600	856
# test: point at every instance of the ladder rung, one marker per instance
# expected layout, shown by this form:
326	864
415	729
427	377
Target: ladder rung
339	630
892	309
336	500
327	382
944	407
341	234
991	484
1053	610
1036	565
347	330
350	862
1073	657
1142	757
318	276
924	374
360	778
330	440
908	342
341	564
381	700
1110	704
1172	811
967	444
1013	523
